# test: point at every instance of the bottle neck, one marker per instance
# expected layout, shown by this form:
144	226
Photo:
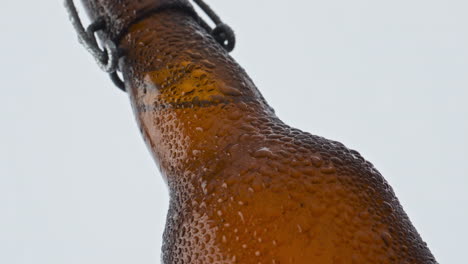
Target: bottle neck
191	99
120	15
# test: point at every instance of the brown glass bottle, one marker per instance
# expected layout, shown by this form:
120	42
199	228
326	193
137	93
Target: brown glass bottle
244	186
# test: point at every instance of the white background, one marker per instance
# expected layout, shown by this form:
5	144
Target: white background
388	78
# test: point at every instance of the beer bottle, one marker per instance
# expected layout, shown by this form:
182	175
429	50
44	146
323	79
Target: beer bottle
244	186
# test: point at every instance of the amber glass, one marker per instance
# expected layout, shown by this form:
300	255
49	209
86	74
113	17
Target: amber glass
244	186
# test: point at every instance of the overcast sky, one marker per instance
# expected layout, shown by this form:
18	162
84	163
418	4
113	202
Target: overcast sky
387	78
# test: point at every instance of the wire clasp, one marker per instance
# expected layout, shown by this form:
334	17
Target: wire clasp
108	57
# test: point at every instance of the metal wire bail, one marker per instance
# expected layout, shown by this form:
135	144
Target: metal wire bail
106	58
222	33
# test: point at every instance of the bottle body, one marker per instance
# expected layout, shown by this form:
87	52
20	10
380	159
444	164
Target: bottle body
244	186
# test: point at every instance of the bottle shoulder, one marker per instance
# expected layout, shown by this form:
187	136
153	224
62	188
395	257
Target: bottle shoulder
280	192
